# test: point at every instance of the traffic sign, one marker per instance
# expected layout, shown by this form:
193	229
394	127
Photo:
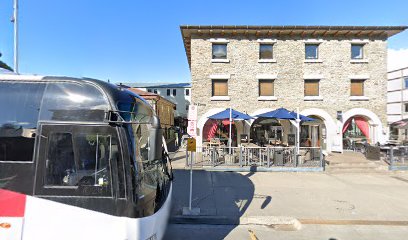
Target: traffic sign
191	144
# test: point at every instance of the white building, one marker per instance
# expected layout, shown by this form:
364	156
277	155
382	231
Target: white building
397	101
178	93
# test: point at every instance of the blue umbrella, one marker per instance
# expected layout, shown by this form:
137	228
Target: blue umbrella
280	113
302	118
226	114
230	114
283	113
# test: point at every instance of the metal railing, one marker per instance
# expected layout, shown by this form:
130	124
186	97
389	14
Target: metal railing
397	157
267	157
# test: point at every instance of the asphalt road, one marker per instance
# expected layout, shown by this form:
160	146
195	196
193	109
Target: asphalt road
308	232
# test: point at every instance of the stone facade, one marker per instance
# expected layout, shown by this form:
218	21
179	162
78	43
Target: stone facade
290	68
334	69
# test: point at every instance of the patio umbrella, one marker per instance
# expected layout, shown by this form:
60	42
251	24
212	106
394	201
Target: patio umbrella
283	113
280	113
303	118
230	114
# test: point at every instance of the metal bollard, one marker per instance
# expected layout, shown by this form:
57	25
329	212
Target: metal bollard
240	156
322	162
268	156
391	156
186	158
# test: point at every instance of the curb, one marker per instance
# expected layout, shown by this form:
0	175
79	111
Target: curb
210	220
276	222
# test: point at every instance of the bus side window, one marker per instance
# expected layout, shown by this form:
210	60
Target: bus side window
93	162
121	170
60	158
87	165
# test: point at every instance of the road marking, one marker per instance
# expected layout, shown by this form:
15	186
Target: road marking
353	222
252	235
5	225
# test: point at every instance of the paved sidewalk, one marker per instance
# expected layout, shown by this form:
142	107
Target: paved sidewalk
305	196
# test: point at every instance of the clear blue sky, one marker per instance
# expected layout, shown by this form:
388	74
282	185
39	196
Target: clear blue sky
129	40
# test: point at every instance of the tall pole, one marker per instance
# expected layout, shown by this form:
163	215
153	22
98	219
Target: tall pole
230	130
15	22
297	131
191	180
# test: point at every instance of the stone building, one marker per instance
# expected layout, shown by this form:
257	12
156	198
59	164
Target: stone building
335	74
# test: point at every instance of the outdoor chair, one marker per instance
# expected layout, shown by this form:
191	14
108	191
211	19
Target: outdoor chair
279	158
304	156
288	157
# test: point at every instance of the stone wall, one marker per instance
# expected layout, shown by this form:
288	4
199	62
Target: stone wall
290	67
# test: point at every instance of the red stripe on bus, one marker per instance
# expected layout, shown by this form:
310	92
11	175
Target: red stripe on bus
12	204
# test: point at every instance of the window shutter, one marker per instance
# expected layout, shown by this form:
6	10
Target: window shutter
220	88
357	88
311	87
266	88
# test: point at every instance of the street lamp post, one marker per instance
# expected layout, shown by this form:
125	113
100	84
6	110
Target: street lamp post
15	22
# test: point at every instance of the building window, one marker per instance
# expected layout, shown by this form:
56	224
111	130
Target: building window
266	88
168	92
219	51
174	92
186	107
312	87
357	51
311	51
149	90
406	83
155	91
357	88
187	92
265	51
219	87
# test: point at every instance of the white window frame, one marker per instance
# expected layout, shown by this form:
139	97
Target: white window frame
317	59
363	77
313	98
220	77
267	42
219	41
363	58
267	76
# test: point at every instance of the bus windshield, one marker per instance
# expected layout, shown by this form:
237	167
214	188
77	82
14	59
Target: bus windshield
136	112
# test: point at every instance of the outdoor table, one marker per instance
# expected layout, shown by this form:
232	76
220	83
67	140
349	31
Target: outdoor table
214	144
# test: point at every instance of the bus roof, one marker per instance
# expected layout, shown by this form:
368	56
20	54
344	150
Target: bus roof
115	93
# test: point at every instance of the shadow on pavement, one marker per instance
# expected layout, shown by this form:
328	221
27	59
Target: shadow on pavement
178	158
217	194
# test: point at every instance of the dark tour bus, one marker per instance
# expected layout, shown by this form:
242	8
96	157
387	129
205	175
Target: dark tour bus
80	159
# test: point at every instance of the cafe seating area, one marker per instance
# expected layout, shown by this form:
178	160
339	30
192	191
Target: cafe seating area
275	154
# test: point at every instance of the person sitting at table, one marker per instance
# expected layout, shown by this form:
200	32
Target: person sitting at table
262	141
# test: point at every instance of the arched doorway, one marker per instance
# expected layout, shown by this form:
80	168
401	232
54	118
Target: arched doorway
357	130
328	130
219	129
266	130
314	133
